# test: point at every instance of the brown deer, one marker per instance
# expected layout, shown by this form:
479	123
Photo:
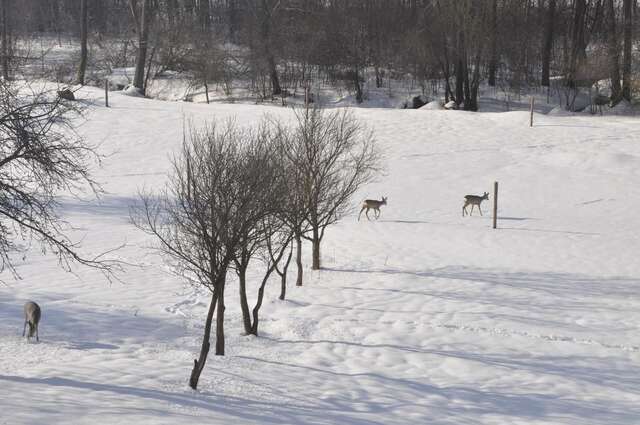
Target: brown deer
473	200
373	204
32	315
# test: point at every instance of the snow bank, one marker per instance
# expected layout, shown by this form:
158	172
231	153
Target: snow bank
559	111
132	91
433	106
622	108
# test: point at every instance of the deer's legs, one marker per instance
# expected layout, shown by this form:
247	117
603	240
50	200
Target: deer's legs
363	208
480	209
367	214
24	328
376	214
37	338
464	209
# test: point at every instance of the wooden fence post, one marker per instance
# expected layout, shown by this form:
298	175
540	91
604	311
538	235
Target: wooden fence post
495	205
106	93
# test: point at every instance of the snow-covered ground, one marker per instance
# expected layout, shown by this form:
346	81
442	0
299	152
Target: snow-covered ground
420	317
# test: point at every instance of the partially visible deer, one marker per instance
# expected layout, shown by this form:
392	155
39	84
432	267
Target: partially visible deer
473	200
32	315
372	204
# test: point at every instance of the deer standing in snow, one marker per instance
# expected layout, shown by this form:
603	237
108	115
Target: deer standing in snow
473	200
374	205
32	315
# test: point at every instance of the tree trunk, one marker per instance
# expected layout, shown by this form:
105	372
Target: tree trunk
206	90
467	88
378	77
548	42
356	84
244	304
143	39
266	46
614	56
493	53
460	69
273	74
5	40
577	42
148	72
265	279
83	42
256	309
448	94
220	321
315	249
205	16
299	259
283	275
198	365
475	85
626	61
232	19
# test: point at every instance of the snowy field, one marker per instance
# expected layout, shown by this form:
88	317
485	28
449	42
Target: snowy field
423	317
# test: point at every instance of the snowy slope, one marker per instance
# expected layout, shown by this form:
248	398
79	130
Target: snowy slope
420	317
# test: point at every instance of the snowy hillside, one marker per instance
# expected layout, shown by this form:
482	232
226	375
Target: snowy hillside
422	317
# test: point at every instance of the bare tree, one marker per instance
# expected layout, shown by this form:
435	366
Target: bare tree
612	50
493	42
4	39
627	6
142	19
40	157
263	194
577	55
336	158
82	68
218	193
295	210
548	41
191	218
266	21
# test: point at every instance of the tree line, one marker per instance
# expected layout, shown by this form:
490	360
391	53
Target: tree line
281	46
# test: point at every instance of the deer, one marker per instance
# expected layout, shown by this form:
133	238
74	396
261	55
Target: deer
32	316
373	204
473	200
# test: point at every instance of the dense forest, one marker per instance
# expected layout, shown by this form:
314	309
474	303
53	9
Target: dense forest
280	46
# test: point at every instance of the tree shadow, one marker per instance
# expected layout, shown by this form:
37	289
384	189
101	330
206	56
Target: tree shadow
525	405
559	286
566	125
516	218
88	327
406	221
565	232
110	206
246	409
